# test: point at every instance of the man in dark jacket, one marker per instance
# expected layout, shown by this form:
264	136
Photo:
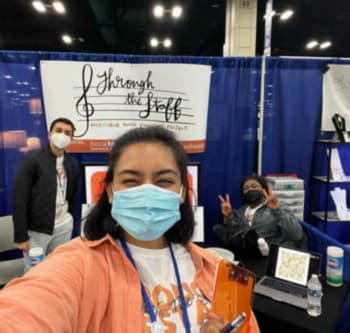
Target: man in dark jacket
44	193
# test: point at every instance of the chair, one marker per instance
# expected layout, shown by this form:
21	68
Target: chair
11	265
318	241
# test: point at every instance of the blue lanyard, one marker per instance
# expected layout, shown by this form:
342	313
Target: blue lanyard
146	299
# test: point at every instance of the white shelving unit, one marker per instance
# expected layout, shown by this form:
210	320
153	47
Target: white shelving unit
290	191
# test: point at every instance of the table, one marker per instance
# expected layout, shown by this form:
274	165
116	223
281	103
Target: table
274	316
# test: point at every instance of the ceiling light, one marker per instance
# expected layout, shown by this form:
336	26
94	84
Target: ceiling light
158	11
312	44
286	15
167	42
325	45
58	6
67	39
176	12
39	6
154	42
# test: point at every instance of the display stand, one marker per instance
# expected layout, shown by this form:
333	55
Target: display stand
329	178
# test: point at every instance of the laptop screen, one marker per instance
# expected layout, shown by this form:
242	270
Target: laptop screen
292	265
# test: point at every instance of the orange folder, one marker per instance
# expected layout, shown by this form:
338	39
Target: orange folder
233	293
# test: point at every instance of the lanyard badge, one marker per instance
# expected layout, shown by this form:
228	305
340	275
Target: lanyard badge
156	326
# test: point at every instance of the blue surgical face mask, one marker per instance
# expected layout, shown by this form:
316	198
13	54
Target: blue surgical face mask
146	212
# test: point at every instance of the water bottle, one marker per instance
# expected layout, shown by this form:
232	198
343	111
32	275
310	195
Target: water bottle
314	296
263	247
36	255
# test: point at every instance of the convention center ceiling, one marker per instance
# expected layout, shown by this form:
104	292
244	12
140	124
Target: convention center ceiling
126	27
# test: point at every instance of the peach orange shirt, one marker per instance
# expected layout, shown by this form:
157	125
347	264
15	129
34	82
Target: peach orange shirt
87	287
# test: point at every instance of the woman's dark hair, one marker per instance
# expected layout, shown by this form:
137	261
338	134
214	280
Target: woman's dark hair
261	180
100	221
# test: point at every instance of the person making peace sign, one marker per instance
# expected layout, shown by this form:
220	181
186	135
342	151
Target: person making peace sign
261	211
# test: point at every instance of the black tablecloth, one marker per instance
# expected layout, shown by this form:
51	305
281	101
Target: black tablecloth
274	316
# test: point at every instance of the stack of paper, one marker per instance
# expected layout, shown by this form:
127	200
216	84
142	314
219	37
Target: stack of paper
339	198
337	171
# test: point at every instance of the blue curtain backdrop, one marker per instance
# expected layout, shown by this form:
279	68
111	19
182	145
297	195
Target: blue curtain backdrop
231	131
293	92
292	124
293	98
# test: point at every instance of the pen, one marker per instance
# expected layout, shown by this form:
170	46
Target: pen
235	324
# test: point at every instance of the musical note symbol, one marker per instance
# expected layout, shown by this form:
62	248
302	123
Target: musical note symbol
82	106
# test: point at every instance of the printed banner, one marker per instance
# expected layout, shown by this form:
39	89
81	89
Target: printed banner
336	96
104	100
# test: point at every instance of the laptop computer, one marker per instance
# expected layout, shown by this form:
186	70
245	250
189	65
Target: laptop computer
287	273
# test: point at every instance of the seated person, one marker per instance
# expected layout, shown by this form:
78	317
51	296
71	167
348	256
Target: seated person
262	215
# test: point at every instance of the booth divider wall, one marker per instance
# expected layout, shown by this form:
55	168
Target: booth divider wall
292	121
293	96
231	131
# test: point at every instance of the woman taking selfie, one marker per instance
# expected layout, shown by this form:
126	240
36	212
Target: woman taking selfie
136	270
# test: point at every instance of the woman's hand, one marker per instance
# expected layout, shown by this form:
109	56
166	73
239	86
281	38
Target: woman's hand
271	200
226	208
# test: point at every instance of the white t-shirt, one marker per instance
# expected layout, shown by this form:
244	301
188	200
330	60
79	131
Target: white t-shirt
250	212
157	273
62	216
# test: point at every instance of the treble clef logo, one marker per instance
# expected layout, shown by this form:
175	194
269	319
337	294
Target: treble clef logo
82	106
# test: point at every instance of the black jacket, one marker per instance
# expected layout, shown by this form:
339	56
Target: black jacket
35	189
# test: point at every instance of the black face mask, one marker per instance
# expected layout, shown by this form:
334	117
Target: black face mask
253	197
